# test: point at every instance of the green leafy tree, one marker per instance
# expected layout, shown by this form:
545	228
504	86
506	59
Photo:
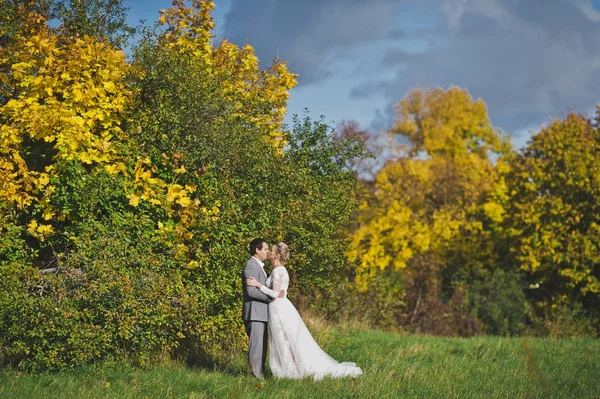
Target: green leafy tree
555	187
102	19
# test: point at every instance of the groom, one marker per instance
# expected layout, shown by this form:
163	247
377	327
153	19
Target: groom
255	312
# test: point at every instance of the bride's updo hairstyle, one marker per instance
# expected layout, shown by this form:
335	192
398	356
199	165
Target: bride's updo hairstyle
283	252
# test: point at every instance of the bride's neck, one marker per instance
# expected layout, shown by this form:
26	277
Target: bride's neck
277	264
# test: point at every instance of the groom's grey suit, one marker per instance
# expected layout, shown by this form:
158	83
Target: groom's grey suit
255	315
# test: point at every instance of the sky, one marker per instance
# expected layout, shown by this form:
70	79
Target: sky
529	60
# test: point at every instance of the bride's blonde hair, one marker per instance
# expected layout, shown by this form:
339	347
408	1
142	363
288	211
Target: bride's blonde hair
283	252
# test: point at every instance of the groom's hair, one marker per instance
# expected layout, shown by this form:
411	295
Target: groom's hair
255	244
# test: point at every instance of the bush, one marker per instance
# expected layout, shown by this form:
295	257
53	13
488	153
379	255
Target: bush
561	318
13	247
496	297
110	296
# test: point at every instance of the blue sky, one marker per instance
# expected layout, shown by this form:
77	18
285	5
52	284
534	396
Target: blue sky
530	60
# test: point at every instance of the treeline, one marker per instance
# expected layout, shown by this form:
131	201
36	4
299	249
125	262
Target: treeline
130	188
463	235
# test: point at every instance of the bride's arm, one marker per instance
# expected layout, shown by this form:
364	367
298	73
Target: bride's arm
276	292
279	286
265	290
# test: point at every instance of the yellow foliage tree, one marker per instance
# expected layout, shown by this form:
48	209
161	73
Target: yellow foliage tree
259	95
66	103
447	187
555	192
71	97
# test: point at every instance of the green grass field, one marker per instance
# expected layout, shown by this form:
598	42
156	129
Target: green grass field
395	366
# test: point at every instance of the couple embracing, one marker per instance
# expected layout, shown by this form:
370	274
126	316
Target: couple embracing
294	353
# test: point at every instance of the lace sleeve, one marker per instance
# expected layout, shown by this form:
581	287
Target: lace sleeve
280	283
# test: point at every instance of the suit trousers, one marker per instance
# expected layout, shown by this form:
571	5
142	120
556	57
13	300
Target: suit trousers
257	347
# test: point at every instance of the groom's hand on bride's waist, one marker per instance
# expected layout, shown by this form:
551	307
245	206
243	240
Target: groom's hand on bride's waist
281	294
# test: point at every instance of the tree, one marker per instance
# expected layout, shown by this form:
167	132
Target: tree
106	20
554	223
62	103
260	95
433	216
22	18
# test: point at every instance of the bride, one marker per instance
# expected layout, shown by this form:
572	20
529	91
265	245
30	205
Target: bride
294	352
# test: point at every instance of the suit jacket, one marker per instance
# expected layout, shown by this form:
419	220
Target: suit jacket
256	304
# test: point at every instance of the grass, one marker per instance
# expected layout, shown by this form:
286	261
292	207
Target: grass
395	366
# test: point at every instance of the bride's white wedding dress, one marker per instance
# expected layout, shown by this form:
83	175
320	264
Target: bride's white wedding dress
294	352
